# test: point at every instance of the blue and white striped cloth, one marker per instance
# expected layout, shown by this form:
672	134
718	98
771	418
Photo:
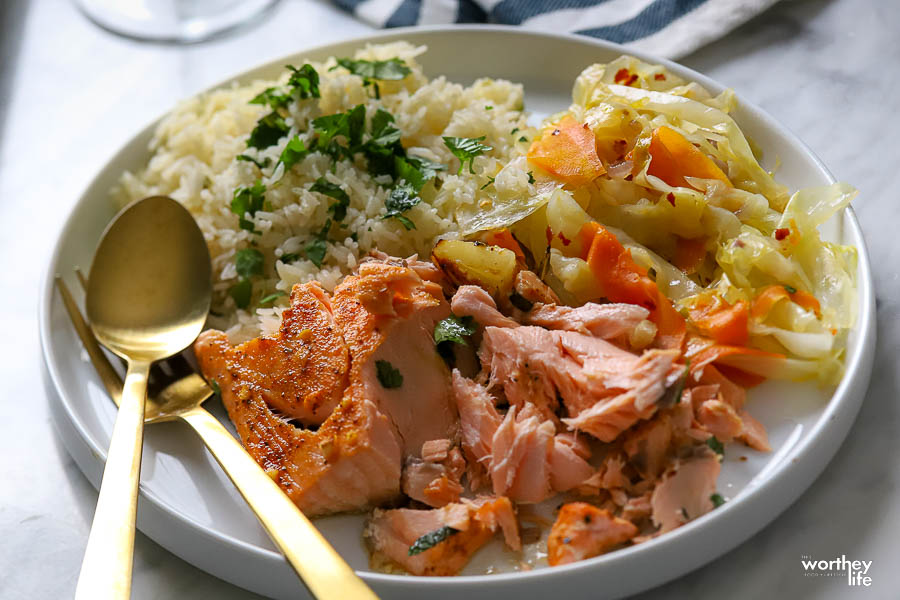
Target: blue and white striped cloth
669	28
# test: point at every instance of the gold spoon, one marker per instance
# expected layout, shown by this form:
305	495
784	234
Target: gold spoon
319	566
148	296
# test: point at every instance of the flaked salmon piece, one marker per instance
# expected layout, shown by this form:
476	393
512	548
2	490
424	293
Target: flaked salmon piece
731	393
434	479
605	321
583	531
478	421
473	301
685	491
436	450
605	389
568	463
352	461
637	508
648	445
391	534
720	419
519	457
753	433
387	314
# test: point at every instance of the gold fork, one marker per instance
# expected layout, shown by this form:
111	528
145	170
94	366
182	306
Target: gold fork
319	566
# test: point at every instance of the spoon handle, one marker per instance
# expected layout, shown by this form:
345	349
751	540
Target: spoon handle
106	568
321	568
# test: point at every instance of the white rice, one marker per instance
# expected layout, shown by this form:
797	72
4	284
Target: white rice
193	161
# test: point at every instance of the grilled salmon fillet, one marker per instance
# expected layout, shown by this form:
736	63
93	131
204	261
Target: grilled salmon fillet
321	370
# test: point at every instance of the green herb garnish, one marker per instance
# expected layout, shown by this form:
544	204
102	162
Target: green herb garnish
530	177
293	152
715	445
268	131
272	297
249	262
454	329
262	164
490	181
514	131
400	200
679	385
373	71
717	500
316	248
215	387
241	293
339	209
523	139
388	376
790	289
466	149
248	201
431	539
304	81
289	257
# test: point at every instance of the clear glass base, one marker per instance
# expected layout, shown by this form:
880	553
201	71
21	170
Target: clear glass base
180	21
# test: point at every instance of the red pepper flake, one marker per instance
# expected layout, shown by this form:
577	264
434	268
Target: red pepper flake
629	177
659	77
782	233
549	235
671	198
631	80
563	239
621	75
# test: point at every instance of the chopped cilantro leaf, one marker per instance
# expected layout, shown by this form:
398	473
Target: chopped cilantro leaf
241	293
490	181
316	248
388	376
523	139
372	71
215	387
488	107
514	131
717	500
530	177
354	236
248	200
262	164
268	131
339	209
714	443
304	81
293	152
289	257
790	289
383	131
454	329
400	200
466	149
249	262
272	97
431	539
272	297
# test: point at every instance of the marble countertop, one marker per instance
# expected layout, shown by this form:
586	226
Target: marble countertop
71	94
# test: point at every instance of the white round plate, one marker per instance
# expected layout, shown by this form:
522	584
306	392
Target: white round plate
190	507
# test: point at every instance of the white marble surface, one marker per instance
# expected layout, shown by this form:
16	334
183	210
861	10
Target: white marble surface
70	95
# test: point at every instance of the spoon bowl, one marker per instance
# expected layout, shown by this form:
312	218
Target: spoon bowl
148	296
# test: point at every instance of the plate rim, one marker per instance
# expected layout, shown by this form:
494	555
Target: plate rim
853	383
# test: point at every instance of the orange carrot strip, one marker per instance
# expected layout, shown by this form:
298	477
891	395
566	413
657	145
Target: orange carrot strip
773	294
503	238
673	157
689	254
568	151
726	324
622	280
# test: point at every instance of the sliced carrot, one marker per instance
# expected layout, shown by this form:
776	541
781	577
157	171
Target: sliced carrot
620	279
806	301
689	254
673	157
726	323
705	352
503	238
770	296
568	152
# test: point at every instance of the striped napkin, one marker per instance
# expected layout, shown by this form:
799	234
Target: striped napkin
668	28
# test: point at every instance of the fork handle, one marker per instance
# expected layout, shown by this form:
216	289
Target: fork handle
319	566
106	568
